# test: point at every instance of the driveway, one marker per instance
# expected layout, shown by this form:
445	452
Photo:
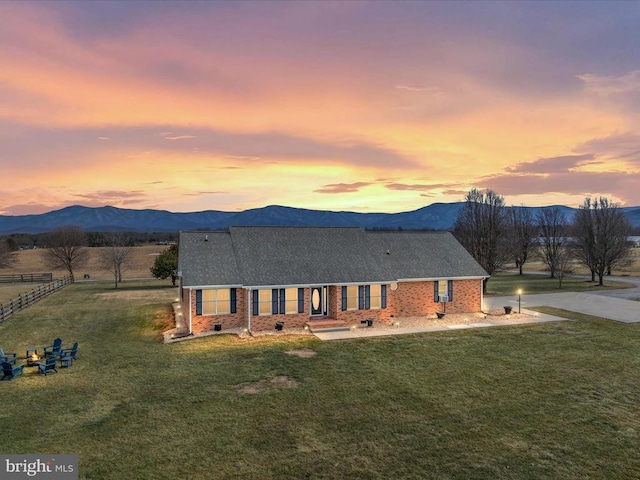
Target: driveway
613	305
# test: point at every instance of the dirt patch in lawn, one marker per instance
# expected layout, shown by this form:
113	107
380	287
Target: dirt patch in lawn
305	353
262	386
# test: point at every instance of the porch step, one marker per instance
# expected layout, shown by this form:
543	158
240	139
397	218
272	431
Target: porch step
327	325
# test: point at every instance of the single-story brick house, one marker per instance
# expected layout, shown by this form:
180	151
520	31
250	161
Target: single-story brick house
253	277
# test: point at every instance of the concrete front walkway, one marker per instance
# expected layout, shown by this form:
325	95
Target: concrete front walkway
611	305
383	332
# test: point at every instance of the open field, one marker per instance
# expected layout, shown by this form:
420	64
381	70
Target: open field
7	292
30	261
509	283
545	401
633	269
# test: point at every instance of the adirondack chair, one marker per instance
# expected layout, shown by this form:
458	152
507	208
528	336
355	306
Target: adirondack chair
68	355
70	352
53	349
8	356
49	366
11	372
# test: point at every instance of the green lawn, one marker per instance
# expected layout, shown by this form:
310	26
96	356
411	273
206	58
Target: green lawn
548	401
13	290
509	283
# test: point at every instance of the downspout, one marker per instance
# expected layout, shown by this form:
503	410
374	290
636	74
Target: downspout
249	299
190	312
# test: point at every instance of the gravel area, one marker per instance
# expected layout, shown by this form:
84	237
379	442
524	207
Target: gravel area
452	319
405	322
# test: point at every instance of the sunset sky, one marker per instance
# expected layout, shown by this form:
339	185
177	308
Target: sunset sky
365	106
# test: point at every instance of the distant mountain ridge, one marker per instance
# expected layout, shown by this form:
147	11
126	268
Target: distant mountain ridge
437	216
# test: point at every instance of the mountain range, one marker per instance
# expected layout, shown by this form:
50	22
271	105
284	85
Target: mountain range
437	216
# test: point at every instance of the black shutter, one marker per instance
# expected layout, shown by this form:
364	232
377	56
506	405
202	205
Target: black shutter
255	302
283	308
344	298
367	297
450	290
301	300
435	291
274	301
360	297
198	302
234	300
383	293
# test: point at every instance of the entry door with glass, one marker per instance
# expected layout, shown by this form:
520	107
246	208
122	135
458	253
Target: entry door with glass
319	300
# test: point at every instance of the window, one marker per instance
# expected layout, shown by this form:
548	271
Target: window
291	300
375	297
351	297
264	302
364	297
276	301
214	302
443	288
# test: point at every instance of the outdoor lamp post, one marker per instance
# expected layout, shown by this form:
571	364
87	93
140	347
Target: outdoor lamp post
519	295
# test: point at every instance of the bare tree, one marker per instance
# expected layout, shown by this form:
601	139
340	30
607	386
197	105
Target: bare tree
116	254
564	261
480	227
601	231
522	234
7	255
553	236
583	231
66	248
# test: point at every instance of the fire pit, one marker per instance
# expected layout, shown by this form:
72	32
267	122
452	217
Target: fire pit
32	357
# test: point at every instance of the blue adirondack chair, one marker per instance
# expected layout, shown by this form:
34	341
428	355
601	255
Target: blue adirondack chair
53	349
10	372
68	355
49	366
8	356
70	352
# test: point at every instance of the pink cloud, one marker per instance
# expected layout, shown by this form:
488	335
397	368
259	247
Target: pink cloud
342	187
558	164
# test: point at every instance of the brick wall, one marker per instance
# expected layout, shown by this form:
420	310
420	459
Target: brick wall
205	323
355	317
291	320
414	299
411	299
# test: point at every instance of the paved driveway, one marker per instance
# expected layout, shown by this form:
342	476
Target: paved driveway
613	304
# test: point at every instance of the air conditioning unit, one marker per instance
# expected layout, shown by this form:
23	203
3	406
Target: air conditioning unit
443	298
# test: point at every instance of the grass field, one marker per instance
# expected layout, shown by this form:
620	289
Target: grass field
631	269
547	401
31	261
510	283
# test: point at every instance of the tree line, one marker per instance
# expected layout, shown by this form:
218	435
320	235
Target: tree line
22	241
496	235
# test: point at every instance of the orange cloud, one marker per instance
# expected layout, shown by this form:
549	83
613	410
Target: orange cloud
246	104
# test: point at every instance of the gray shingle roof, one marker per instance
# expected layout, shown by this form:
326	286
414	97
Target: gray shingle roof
273	256
208	258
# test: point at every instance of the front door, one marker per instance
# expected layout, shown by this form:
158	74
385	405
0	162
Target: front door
319	300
